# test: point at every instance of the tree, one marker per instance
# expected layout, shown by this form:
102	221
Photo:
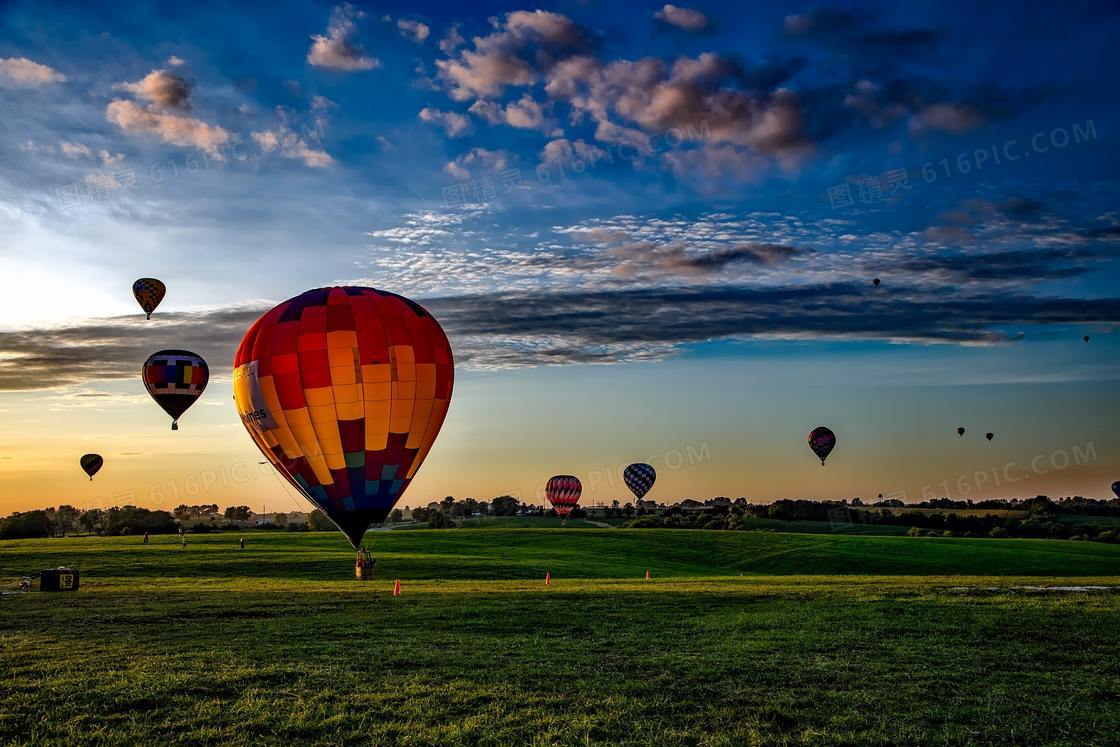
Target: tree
238	513
504	505
26	524
93	520
67	519
317	521
396	516
440	520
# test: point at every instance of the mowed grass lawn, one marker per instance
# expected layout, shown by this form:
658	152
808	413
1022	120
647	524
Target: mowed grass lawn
739	638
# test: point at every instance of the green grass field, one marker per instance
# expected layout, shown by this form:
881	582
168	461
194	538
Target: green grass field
739	638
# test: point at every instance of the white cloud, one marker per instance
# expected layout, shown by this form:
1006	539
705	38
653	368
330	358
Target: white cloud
162	88
291	145
683	18
453	123
451	41
75	150
413	30
109	159
174	129
478	159
20	72
337	50
514	54
525	114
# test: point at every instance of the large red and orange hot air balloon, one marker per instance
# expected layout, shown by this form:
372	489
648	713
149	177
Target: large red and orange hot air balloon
563	492
344	391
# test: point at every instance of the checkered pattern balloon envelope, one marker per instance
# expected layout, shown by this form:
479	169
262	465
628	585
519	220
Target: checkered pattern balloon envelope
91	464
149	292
344	391
639	478
1116	488
822	441
563	492
175	379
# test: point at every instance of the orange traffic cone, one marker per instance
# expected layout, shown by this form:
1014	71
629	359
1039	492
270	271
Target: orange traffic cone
647	574
397	588
548	578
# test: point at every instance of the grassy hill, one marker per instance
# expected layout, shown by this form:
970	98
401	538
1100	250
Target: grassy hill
493	554
823	640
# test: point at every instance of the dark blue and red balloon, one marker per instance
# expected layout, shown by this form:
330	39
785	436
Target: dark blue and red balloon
822	441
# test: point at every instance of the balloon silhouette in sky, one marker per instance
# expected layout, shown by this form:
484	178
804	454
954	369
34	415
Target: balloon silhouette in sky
989	436
1085	338
876	281
149	292
175	379
822	441
639	478
563	492
344	391
1116	488
960	431
91	463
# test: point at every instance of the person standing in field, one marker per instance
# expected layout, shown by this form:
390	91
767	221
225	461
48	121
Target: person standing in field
145	536
242	543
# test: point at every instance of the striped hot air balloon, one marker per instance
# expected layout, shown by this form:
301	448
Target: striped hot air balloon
563	492
344	391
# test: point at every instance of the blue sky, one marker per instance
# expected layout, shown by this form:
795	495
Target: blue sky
592	199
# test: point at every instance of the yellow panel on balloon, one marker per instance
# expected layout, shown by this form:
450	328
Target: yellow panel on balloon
377	433
318	397
344	375
376	373
350	410
377	392
345	393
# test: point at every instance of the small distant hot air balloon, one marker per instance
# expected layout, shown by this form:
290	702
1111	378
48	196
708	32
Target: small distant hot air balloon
344	391
989	436
960	431
149	292
822	441
1116	488
1085	338
876	281
91	463
175	379
563	492
639	478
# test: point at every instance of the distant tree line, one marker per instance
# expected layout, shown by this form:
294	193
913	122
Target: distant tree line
1041	517
1042	520
53	522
